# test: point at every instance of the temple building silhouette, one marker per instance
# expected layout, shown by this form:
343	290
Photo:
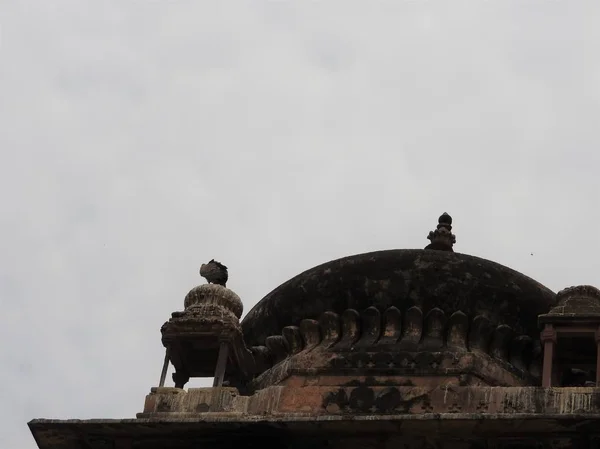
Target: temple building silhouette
404	349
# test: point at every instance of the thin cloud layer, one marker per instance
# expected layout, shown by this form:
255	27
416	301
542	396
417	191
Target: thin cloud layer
139	140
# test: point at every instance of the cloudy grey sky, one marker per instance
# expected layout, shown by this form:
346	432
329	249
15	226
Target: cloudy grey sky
139	139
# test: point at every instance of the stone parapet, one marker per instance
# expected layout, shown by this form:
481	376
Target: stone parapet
362	399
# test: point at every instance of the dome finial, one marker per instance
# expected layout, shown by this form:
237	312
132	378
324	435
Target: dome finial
442	238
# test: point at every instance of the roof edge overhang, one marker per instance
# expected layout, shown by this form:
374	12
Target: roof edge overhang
483	411
69	434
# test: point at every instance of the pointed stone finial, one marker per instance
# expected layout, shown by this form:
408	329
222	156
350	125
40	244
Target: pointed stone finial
442	238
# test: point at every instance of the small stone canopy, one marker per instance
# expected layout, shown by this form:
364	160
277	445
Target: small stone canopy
206	337
574	319
580	303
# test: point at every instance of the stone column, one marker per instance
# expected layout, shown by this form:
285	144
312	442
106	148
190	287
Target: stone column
548	337
597	335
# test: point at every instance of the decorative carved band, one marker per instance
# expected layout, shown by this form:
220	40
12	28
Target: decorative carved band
411	331
214	294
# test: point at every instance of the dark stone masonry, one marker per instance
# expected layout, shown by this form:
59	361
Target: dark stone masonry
394	349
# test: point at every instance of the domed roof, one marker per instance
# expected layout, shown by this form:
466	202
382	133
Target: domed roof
403	278
419	315
579	303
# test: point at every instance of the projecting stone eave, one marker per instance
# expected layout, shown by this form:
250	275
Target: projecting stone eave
288	414
570	318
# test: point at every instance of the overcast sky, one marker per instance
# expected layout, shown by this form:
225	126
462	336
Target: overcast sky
139	139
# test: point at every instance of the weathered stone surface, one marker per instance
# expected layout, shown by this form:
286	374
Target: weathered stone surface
374	396
403	278
580	302
215	294
195	400
374	343
562	426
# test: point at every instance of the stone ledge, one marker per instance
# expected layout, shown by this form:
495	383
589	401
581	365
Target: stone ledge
361	399
211	400
189	431
66	434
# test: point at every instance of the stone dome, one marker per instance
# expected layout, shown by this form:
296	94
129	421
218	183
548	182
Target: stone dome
416	315
403	278
576	302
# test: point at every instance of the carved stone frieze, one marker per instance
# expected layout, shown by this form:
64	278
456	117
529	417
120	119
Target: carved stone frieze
406	342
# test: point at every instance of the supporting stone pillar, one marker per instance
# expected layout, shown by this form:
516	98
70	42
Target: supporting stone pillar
548	338
221	364
163	374
597	357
